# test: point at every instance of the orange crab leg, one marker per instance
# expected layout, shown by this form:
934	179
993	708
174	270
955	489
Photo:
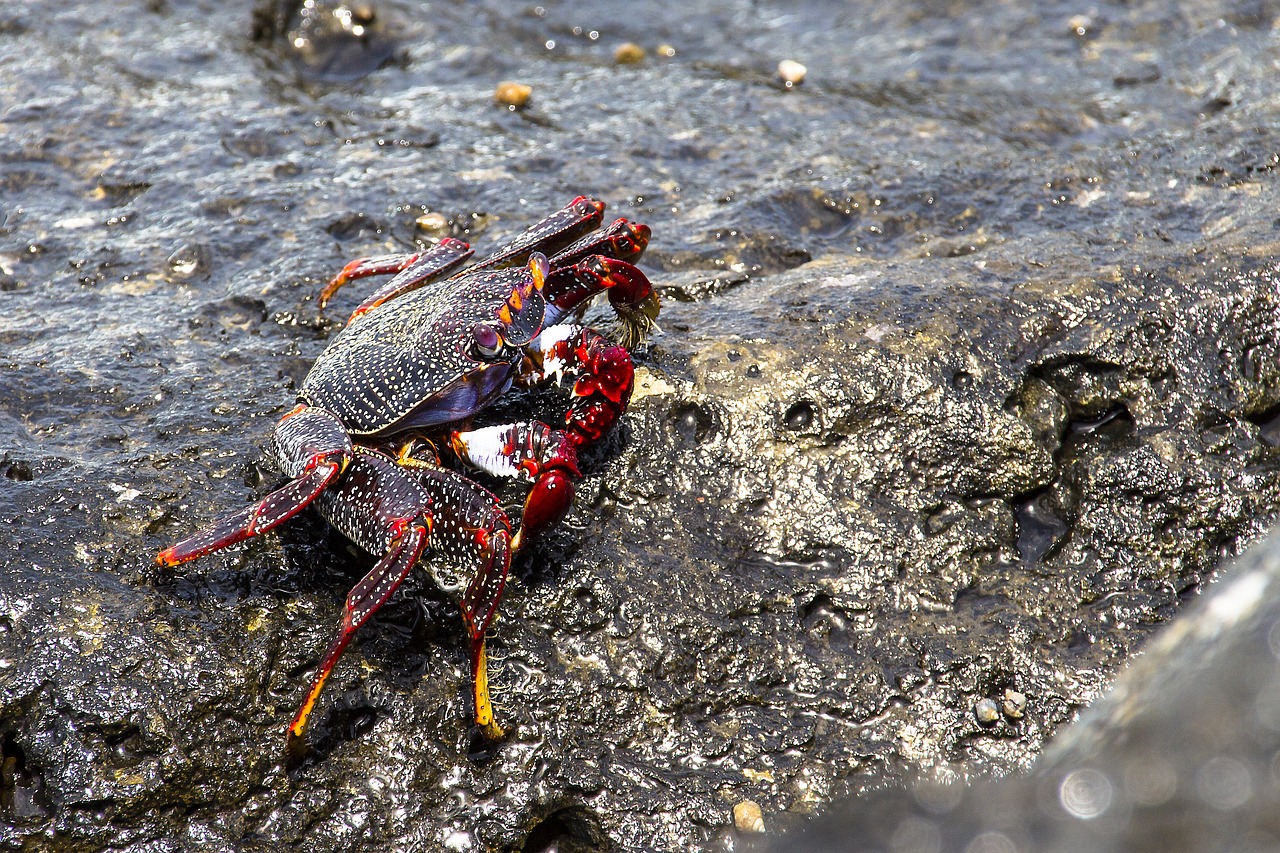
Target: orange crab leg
484	707
473	529
479	603
413	270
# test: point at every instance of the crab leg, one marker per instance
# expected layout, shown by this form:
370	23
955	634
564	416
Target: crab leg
472	529
623	240
313	448
381	509
408	540
413	269
558	230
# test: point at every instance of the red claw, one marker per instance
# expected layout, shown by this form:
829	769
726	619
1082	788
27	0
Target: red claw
546	504
627	285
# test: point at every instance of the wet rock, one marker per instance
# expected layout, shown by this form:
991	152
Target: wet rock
968	378
326	40
1181	748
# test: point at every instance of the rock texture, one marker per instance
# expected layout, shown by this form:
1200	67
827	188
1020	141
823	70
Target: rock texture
968	378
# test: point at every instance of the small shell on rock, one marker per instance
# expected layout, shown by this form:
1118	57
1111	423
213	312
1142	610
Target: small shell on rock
666	51
1015	704
512	95
1080	24
432	222
628	53
747	817
986	711
791	72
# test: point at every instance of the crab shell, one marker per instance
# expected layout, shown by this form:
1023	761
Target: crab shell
416	363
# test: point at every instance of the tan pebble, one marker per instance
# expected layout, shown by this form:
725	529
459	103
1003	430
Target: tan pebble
666	51
747	817
512	95
791	72
432	222
628	53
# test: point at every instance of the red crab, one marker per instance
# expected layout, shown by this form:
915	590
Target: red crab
417	360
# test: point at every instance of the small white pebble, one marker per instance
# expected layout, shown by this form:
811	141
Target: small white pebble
747	817
791	72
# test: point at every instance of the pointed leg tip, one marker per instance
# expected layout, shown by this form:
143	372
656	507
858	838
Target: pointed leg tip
491	730
170	557
296	749
483	744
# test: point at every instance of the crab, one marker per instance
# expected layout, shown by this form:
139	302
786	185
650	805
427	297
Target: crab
384	421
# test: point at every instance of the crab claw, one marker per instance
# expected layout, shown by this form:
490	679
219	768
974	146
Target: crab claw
631	295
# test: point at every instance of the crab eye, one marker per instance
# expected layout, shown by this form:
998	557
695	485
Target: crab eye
488	340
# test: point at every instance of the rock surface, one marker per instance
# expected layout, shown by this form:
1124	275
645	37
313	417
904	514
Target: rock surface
969	376
1180	755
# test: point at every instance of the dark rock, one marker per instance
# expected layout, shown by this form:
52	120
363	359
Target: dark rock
326	40
968	378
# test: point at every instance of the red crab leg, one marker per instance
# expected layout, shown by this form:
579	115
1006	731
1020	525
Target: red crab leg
383	510
558	230
534	452
313	448
623	240
413	270
408	540
472	529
